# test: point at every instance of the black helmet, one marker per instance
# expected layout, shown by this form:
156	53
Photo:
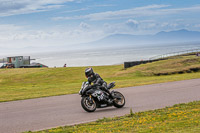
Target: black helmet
89	72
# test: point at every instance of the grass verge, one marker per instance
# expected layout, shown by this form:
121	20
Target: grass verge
180	118
18	84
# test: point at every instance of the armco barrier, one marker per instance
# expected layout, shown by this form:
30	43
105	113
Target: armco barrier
134	63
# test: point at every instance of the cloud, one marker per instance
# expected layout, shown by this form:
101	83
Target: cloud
8	31
84	26
108	5
150	10
197	25
76	10
146	26
13	36
84	9
132	23
10	7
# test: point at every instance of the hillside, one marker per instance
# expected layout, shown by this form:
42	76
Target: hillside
173	65
16	84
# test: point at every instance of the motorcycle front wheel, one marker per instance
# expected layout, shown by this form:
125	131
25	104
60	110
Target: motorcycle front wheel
119	99
88	104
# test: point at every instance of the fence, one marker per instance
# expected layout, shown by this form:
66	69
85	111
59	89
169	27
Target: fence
174	54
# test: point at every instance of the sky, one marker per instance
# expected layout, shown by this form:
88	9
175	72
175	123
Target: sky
46	23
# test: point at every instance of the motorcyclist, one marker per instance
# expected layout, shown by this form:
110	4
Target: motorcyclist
96	79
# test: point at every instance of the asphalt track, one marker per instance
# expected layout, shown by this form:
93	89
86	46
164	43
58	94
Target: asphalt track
49	112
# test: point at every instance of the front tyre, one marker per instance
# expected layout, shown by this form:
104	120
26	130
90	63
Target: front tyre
88	104
119	99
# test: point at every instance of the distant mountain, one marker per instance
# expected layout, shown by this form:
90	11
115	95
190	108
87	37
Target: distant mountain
179	36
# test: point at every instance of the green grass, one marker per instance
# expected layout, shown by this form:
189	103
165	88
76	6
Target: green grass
180	118
18	84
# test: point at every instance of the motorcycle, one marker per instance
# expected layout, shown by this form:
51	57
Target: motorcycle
93	97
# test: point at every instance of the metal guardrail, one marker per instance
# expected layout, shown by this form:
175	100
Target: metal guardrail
174	54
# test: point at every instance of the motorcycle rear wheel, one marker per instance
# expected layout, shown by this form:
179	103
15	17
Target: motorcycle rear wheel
118	102
88	105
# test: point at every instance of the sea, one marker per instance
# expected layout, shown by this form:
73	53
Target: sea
105	56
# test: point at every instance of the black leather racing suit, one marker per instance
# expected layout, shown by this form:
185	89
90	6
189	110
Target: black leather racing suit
96	79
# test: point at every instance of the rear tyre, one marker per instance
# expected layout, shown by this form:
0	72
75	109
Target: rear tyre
88	104
119	99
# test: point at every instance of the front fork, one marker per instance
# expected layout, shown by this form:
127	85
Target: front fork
90	99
